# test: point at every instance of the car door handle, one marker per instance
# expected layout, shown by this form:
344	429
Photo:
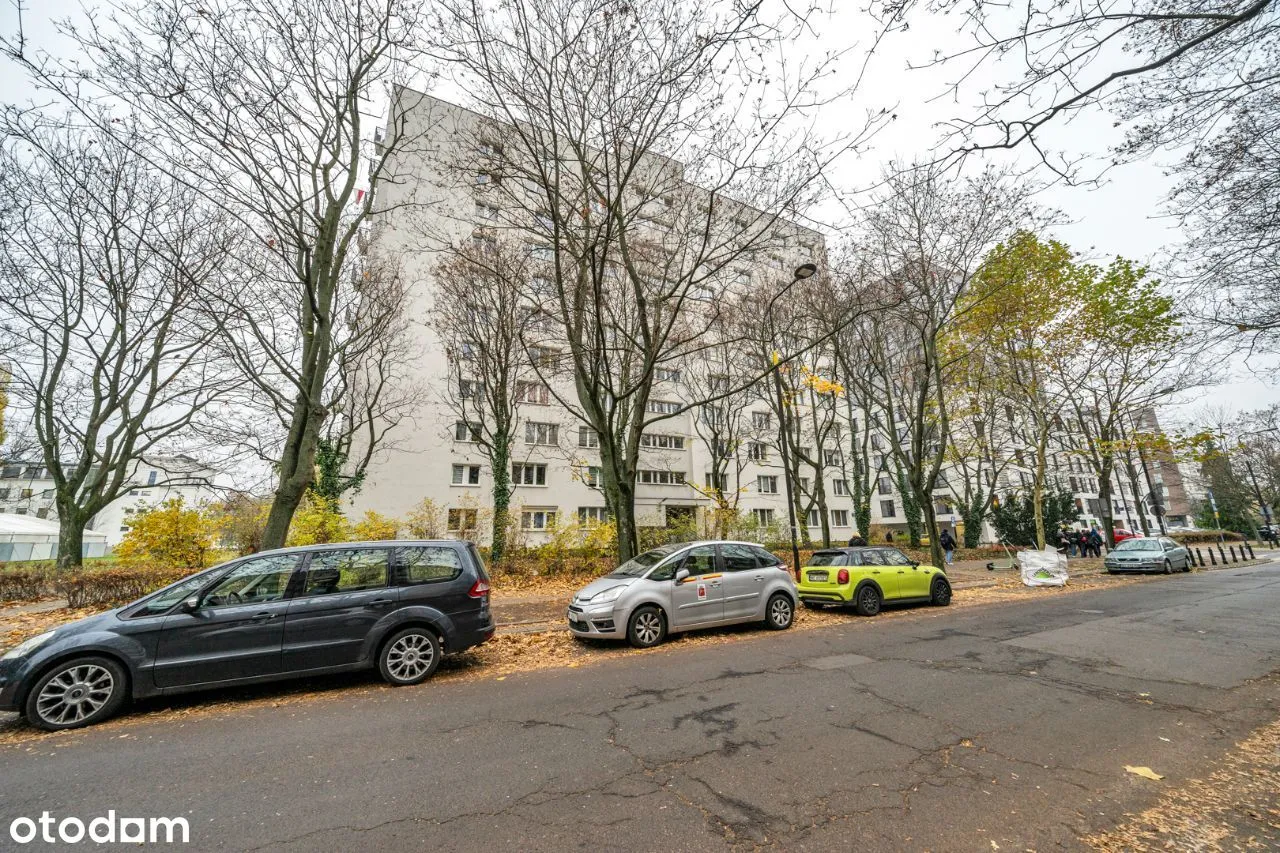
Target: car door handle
902	571
380	602
258	617
760	578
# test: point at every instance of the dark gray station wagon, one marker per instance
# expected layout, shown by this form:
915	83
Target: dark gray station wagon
397	606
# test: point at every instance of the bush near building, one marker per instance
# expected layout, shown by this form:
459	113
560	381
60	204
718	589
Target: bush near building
171	534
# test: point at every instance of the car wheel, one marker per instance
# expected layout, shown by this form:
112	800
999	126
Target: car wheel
1168	566
75	693
813	605
647	627
779	613
868	601
940	593
409	656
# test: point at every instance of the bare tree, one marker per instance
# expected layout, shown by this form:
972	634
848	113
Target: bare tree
652	176
1197	78
487	326
922	241
102	270
262	107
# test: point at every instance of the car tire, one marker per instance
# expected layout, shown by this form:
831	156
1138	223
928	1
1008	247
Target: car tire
940	592
1168	566
867	601
409	657
779	612
77	692
647	627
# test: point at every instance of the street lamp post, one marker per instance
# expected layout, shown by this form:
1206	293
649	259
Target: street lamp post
802	272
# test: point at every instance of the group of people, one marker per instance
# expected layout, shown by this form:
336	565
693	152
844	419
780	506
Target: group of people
1080	543
946	540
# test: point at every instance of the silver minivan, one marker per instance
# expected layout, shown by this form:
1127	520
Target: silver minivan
683	587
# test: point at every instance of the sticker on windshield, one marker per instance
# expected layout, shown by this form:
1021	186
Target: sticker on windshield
702	590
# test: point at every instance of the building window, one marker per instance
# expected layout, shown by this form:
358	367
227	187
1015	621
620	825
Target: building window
831	458
886	509
466	475
537	519
663	407
462	520
587	437
767	484
941	508
544	357
758	451
589	516
877	443
839	518
42	512
840	488
884	486
484	242
151	477
804	485
539	433
469	389
812	519
719	482
666	374
652	477
762	517
541	252
533	392
489	150
463	431
713	416
485	179
591	476
662	442
486	212
761	420
528	475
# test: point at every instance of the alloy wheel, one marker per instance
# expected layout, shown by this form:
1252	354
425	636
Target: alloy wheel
780	612
410	657
75	694
648	627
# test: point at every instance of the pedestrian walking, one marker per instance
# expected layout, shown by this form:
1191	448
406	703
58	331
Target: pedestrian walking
1082	542
948	543
1095	542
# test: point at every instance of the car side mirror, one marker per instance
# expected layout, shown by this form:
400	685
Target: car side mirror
191	605
681	574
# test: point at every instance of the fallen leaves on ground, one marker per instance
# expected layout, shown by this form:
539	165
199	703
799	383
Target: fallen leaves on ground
1144	772
1236	807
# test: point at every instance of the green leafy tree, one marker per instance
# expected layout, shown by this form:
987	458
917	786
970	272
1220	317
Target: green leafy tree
1018	519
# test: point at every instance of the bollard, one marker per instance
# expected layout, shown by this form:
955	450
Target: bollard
1196	558
1222	554
1250	547
1232	549
1212	558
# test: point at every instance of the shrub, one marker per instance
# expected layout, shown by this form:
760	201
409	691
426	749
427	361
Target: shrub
1200	537
111	587
238	522
319	521
23	584
170	534
426	521
375	526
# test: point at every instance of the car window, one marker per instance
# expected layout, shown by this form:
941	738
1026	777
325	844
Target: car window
894	557
1168	544
639	565
428	563
164	600
255	581
765	559
700	560
1138	545
352	570
834	558
738	558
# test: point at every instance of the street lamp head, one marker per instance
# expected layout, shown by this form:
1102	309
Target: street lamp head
805	271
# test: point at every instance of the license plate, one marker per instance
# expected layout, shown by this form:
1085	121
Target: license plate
818	577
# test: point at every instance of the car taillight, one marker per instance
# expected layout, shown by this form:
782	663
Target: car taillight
479	589
843	576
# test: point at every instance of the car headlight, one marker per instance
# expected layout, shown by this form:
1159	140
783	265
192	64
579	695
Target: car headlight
27	646
610	594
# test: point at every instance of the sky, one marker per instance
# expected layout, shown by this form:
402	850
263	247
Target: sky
1122	216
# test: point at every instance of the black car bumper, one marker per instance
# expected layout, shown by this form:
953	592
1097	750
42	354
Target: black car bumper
471	633
10	682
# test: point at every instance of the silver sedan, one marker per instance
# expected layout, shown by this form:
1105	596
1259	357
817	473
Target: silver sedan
1157	554
684	587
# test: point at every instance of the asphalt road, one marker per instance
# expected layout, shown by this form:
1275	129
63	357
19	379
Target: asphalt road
941	730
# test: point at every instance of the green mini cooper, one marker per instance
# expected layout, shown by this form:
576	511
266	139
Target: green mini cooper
868	577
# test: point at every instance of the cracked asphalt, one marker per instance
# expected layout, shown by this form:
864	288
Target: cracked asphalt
996	727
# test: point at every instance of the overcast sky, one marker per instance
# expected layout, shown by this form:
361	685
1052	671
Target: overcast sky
1123	216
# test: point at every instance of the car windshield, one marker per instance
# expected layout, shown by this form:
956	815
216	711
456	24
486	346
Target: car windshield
1138	545
835	558
637	566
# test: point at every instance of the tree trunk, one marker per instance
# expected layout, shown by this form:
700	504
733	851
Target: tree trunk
297	469
910	508
973	513
1038	489
501	464
70	540
1104	495
1136	491
936	555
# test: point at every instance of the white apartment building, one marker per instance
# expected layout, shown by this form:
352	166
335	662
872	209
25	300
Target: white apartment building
26	489
555	459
